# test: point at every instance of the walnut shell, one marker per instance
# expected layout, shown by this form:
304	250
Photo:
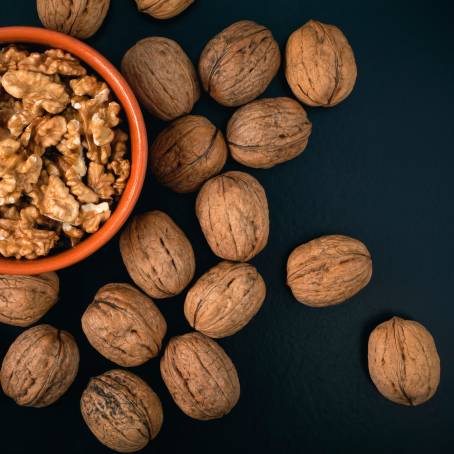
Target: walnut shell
233	213
40	366
25	299
200	376
267	132
81	18
162	77
124	325
328	270
163	9
225	299
121	410
320	65
157	255
239	63
187	153
403	361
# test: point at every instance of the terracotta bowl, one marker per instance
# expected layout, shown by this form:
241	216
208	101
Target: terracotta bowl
138	146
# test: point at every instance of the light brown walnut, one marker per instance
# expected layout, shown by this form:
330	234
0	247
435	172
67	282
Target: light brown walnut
163	9
52	61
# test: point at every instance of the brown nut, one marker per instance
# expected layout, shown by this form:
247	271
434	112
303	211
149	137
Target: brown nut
163	9
25	299
81	18
40	366
121	410
239	63
267	132
162	76
200	376
328	270
157	254
403	361
320	65
124	325
187	153
233	213
225	299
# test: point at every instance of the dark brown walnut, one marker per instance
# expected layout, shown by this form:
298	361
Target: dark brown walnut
239	63
200	376
267	132
40	366
403	361
233	213
163	9
187	153
157	255
124	325
328	270
25	299
225	299
320	65
121	410
162	76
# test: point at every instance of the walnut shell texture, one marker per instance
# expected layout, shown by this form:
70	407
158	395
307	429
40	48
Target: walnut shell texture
200	376
157	255
40	366
187	153
162	77
233	213
328	270
163	9
124	325
25	299
267	132
403	361
121	410
320	64
239	63
225	299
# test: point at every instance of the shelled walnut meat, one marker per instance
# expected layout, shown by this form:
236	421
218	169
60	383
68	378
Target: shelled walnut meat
163	9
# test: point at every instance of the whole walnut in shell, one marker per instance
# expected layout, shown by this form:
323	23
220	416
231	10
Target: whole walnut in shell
200	376
162	76
320	65
328	270
124	325
239	63
121	410
403	361
267	132
157	255
187	153
163	9
80	18
225	299
233	213
39	366
25	299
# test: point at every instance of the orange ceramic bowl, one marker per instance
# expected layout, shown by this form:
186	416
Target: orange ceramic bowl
138	145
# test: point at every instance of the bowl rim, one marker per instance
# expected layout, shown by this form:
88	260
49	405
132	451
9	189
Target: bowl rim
137	136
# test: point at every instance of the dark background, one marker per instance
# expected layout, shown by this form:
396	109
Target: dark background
378	167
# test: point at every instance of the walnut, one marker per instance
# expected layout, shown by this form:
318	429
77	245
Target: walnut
52	61
80	18
225	299
40	366
239	63
91	216
187	153
233	213
267	132
320	65
200	376
124	325
78	188
403	361
25	299
50	131
101	181
121	410
73	233
163	9
328	270
162	76
157	255
9	58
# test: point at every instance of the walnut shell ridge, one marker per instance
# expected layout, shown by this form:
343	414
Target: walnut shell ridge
403	361
163	9
200	376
